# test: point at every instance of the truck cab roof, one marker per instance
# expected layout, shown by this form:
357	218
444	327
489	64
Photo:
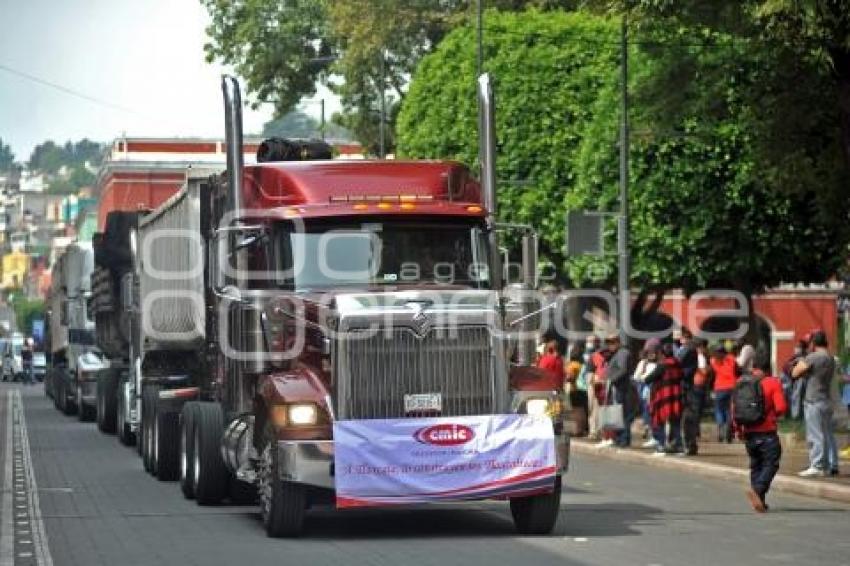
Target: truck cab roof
340	187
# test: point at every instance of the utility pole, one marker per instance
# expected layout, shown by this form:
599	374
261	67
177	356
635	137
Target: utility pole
623	220
480	29
382	153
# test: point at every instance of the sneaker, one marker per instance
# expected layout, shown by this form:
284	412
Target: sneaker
659	453
755	501
606	443
651	443
812	472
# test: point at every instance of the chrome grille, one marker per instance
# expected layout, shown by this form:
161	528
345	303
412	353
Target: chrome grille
377	369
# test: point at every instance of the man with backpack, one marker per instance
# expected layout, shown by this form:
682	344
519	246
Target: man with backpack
757	402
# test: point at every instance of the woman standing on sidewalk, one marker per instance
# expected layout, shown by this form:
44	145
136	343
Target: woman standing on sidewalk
665	400
726	373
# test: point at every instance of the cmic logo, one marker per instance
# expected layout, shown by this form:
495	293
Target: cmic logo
444	434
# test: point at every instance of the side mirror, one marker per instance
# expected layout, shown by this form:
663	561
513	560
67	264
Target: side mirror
249	239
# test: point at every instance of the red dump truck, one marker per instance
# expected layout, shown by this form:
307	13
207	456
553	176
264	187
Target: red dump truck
327	331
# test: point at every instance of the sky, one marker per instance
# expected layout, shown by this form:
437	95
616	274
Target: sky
142	60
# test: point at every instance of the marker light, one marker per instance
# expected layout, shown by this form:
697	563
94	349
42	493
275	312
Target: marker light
407	206
474	208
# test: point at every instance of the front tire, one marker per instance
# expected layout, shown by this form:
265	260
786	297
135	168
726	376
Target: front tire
107	397
537	514
211	475
283	504
187	449
149	396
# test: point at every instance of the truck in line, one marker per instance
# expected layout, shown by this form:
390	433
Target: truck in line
257	289
74	361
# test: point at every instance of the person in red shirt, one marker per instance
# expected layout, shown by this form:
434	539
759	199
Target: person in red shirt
762	442
726	374
552	360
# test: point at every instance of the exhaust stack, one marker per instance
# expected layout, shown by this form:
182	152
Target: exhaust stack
487	144
233	140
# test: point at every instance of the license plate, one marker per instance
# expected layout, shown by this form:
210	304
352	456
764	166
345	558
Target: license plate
423	403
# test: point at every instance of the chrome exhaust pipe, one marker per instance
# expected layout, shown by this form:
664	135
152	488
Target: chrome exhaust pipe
233	140
487	163
487	144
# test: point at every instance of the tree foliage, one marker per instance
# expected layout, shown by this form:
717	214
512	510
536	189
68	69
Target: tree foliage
710	206
77	159
359	48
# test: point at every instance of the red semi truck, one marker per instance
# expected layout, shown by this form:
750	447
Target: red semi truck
289	305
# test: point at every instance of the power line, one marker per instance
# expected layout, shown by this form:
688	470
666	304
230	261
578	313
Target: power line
67	90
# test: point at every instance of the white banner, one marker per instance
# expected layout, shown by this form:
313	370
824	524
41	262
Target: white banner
394	461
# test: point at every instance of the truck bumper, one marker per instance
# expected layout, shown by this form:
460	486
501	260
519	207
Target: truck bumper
311	462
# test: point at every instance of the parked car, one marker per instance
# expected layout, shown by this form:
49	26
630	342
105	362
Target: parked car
39	365
13	368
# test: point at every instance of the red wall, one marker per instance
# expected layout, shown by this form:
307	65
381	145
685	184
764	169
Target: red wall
790	315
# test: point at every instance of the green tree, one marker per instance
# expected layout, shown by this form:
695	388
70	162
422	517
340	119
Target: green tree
48	158
7	157
295	124
358	47
708	208
276	47
548	81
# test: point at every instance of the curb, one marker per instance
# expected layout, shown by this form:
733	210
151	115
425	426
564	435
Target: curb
782	483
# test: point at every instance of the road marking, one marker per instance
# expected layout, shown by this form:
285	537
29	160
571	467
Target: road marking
7	543
39	533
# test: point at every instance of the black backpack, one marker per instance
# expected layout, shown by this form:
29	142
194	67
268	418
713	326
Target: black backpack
748	401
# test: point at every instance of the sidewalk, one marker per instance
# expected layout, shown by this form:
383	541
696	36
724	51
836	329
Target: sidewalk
729	462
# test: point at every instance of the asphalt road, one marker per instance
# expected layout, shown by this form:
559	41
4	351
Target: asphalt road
73	496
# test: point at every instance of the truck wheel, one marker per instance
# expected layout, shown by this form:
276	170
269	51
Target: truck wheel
167	447
68	407
149	395
86	413
283	504
125	432
211	475
537	514
107	414
187	449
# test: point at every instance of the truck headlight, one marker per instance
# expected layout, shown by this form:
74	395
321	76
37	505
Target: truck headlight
537	407
303	414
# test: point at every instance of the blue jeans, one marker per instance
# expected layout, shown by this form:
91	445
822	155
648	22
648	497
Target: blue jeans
823	451
668	439
764	451
722	416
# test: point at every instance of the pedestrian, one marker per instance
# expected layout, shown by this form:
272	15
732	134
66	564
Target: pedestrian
665	379
726	372
686	354
795	390
26	361
818	369
645	366
576	388
594	374
551	359
695	400
760	438
618	375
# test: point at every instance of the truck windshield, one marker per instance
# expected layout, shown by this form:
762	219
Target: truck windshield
386	253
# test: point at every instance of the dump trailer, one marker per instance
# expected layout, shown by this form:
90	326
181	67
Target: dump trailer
137	176
74	360
337	332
